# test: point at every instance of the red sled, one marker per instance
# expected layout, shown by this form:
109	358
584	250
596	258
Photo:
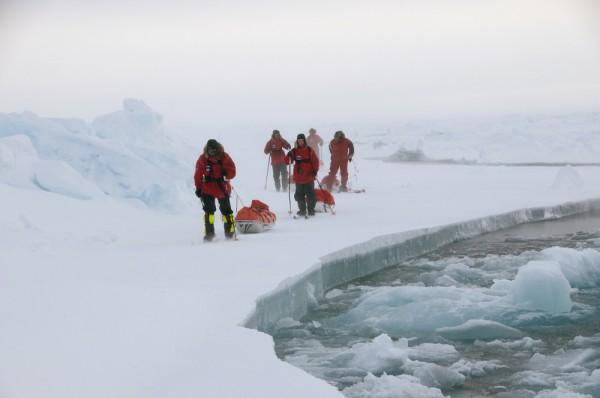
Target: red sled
325	201
254	219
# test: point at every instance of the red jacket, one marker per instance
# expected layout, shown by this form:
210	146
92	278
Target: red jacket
211	172
313	141
275	148
306	164
341	149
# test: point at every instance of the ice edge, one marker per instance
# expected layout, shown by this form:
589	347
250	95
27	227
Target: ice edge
296	295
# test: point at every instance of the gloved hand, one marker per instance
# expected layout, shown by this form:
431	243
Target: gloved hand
198	192
350	158
314	173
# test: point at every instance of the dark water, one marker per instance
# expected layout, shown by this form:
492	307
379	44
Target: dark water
550	356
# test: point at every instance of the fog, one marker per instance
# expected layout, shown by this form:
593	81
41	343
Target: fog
234	64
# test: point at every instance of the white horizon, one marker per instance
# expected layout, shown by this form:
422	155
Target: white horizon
216	64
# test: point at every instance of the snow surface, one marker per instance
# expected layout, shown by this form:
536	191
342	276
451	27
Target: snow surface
102	295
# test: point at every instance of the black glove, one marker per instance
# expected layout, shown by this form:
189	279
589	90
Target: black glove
314	173
198	192
350	159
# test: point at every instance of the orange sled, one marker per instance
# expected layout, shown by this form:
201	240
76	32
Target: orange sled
325	200
254	219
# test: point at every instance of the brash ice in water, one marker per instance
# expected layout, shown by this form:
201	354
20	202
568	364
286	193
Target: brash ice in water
510	314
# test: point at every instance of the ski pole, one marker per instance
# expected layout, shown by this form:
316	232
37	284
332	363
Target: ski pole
321	155
238	197
355	170
290	189
267	175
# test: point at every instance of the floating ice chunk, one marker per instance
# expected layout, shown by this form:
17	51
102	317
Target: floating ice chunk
333	293
580	359
530	378
432	352
446	280
433	375
591	385
288	322
526	343
409	309
501	285
581	341
382	354
479	329
516	394
386	386
476	368
541	285
561	393
580	267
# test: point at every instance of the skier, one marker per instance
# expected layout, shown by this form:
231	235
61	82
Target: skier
214	169
315	141
275	147
306	166
342	151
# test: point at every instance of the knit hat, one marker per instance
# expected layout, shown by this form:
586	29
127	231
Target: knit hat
212	144
301	137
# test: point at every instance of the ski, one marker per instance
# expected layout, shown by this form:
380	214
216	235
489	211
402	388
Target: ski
361	190
215	239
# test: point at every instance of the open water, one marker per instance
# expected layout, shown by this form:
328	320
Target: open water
392	321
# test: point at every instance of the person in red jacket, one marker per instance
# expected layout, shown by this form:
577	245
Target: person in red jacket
315	141
342	151
306	166
214	169
274	147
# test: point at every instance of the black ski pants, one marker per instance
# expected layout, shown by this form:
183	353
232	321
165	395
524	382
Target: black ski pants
280	171
305	196
208	205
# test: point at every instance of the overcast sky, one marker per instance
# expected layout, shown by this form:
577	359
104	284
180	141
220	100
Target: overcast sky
314	62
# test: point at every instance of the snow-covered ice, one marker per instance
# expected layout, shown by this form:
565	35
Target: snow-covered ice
105	294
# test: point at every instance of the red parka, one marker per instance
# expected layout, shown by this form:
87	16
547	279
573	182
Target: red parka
306	164
213	172
341	149
275	147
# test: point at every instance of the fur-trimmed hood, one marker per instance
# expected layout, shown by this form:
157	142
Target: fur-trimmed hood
220	150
